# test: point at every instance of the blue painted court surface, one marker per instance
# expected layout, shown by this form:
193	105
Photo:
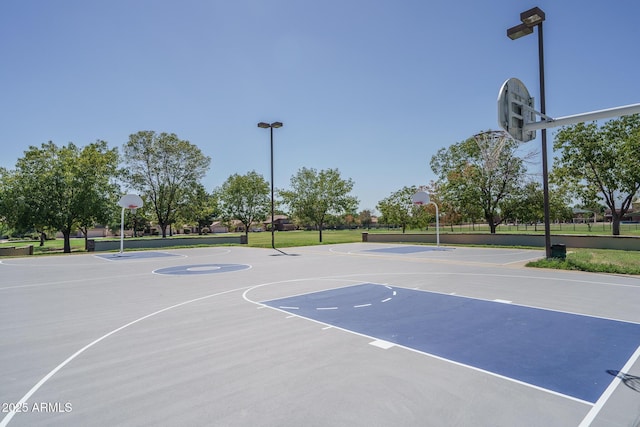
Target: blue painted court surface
566	353
409	249
198	269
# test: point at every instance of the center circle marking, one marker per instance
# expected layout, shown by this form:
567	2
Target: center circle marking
204	268
183	270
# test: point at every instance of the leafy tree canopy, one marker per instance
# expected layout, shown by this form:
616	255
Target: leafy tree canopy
601	163
245	198
479	174
165	169
61	188
315	194
398	208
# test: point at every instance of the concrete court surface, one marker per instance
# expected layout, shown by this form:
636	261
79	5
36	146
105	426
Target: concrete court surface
186	337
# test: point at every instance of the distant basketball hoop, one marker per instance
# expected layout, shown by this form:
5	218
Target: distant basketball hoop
422	198
128	201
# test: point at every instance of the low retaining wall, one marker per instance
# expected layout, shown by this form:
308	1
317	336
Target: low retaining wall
111	245
627	243
13	251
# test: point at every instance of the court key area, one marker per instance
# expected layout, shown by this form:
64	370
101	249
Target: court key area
560	352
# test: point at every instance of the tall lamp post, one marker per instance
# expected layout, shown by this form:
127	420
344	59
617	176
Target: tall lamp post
534	18
274	125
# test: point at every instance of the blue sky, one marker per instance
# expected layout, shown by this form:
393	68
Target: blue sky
371	87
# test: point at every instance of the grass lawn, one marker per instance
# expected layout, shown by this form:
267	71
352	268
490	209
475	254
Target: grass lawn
287	239
595	260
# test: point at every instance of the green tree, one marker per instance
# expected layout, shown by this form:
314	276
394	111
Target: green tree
7	203
559	204
62	188
96	169
164	168
200	207
479	174
446	211
398	208
365	218
314	195
526	205
601	162
245	198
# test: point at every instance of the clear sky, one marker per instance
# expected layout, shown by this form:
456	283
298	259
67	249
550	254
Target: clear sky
371	87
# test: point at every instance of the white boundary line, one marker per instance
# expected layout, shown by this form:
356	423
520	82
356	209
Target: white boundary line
593	413
5	421
68	360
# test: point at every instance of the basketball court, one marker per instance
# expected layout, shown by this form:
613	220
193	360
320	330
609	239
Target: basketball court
356	334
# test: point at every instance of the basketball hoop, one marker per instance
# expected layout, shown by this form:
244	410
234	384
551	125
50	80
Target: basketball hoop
129	201
422	198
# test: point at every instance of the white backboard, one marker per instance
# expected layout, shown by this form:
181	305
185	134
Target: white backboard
130	201
420	198
515	109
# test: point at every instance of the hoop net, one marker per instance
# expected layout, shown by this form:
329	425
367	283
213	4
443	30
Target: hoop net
491	145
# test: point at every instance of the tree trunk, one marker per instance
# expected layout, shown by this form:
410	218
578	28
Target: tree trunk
492	224
616	225
85	233
43	236
67	241
492	227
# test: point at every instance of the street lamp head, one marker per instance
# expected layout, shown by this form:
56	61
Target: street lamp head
532	17
274	125
518	31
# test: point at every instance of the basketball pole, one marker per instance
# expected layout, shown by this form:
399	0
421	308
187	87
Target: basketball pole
437	225
129	201
122	231
437	222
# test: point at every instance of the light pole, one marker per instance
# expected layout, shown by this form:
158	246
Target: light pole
534	18
271	126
